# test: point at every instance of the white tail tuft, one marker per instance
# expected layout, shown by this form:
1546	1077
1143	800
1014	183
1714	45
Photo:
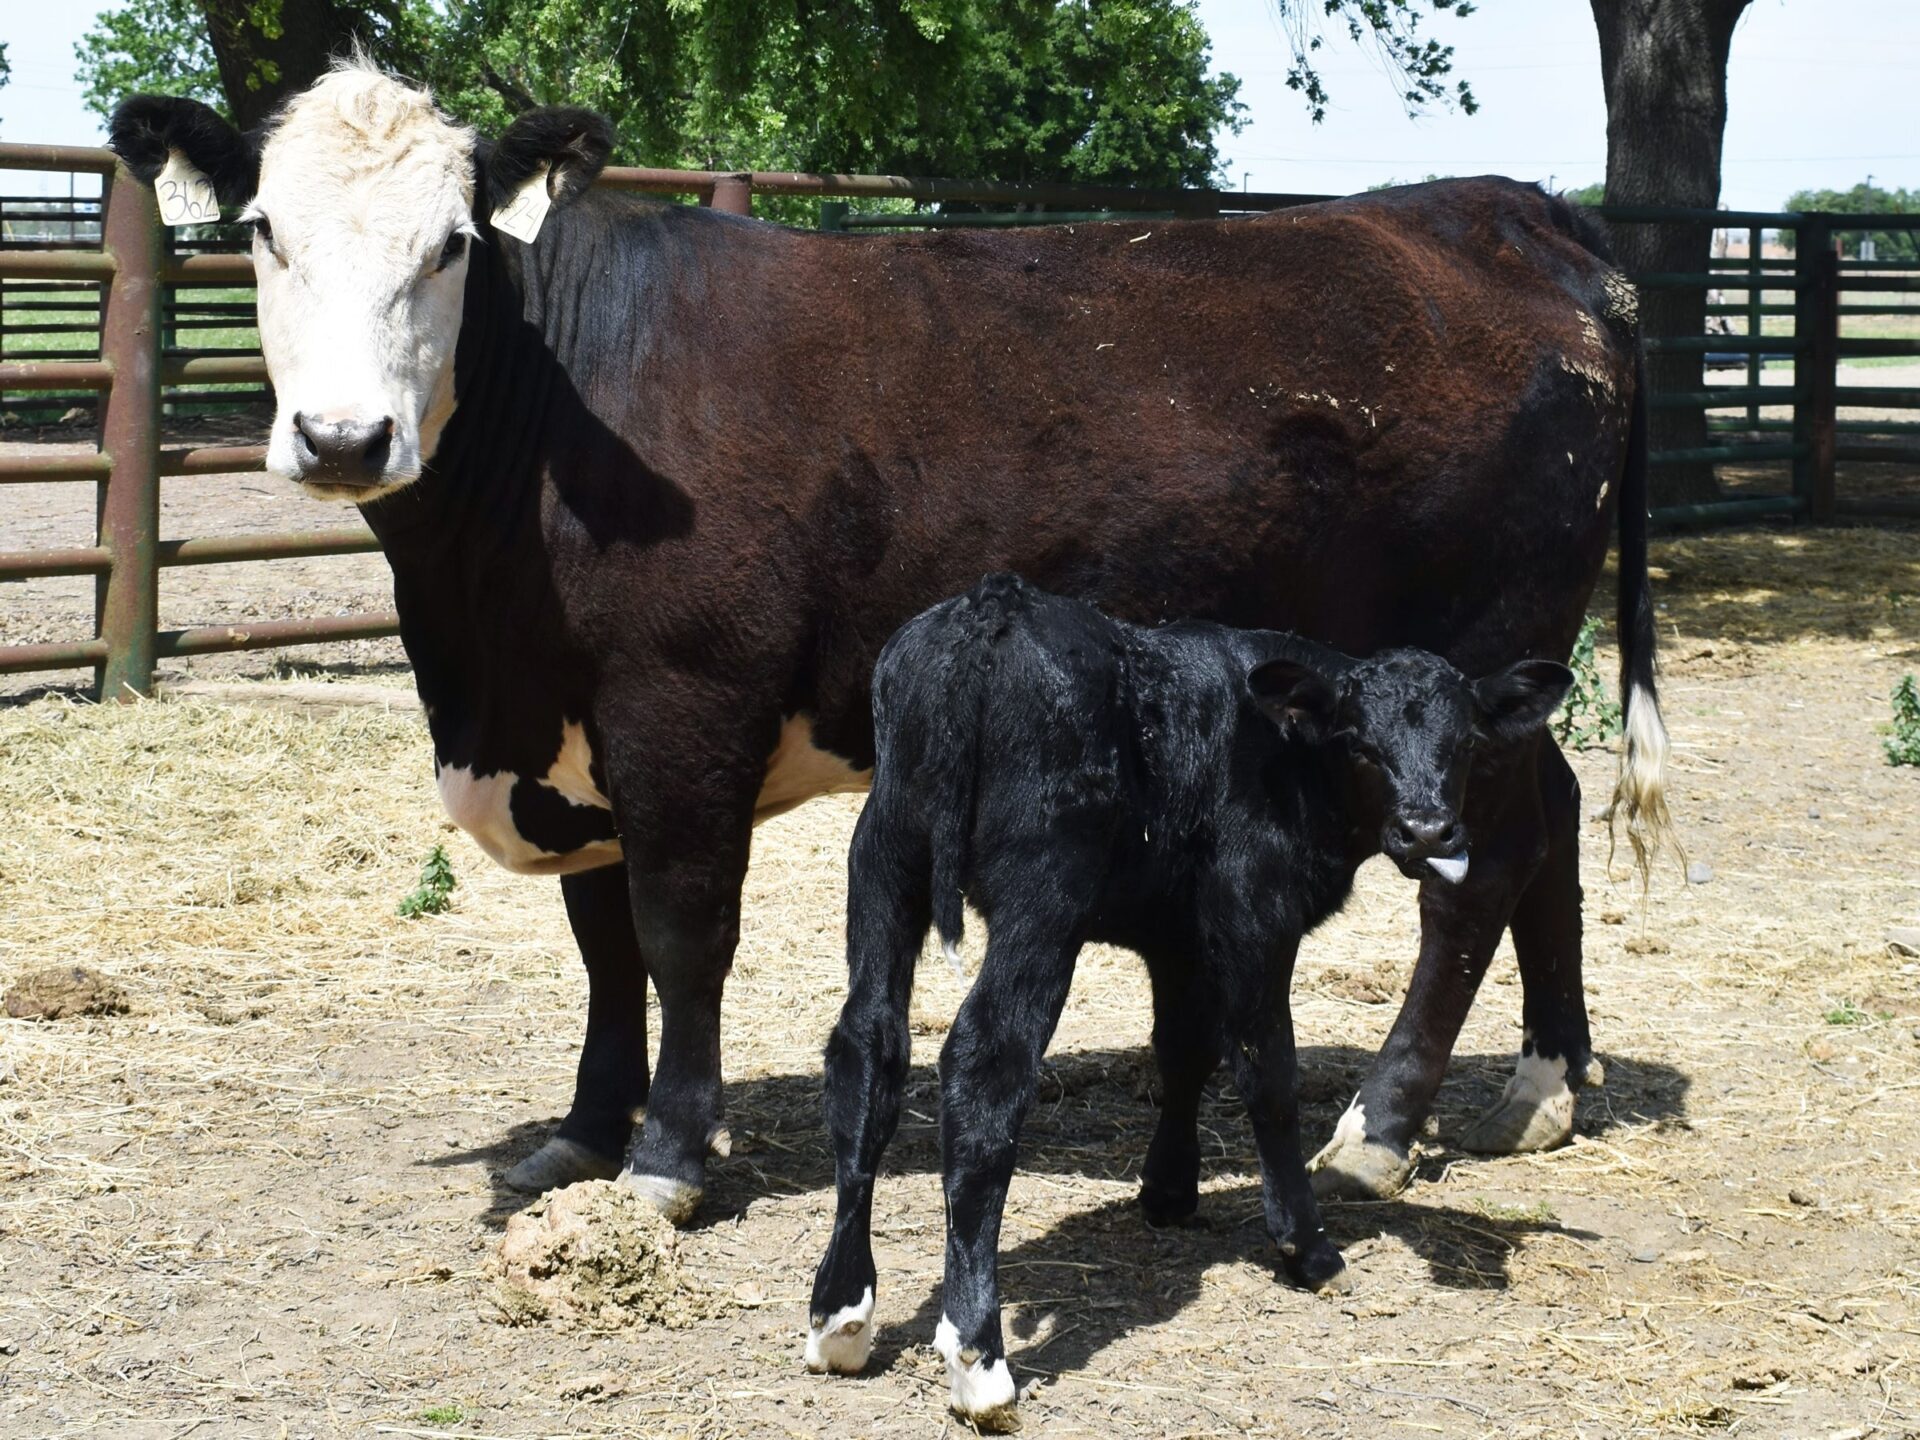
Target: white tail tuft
1641	790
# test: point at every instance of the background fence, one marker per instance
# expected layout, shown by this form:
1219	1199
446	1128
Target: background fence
104	310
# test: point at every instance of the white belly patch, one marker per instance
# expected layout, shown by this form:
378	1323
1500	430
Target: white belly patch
798	770
482	805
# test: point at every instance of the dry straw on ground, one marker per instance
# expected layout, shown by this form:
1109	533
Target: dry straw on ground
263	1202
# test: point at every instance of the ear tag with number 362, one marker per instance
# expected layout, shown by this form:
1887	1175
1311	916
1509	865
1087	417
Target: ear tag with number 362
523	215
186	196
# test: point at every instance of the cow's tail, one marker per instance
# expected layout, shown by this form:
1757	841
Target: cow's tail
1640	792
978	620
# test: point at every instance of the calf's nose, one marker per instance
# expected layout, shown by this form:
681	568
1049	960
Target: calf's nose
1430	832
349	452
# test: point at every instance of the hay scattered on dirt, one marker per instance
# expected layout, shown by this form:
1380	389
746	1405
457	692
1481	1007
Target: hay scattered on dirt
593	1254
63	992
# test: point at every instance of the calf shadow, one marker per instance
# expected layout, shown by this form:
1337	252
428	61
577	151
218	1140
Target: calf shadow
1094	1115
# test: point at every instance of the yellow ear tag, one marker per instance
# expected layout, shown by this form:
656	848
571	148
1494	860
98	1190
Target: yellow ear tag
523	215
186	196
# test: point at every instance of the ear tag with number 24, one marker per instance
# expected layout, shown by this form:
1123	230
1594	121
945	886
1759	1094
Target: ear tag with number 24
523	215
186	196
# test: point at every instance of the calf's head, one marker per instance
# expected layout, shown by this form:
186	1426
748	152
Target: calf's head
1403	728
365	202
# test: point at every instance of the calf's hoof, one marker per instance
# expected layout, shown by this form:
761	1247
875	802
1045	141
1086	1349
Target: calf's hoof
979	1390
841	1342
1534	1112
1353	1167
1319	1268
558	1163
676	1200
1164	1208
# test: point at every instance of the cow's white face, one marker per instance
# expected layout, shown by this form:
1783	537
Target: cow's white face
362	223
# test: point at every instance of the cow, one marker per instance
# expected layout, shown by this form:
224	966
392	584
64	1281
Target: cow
657	484
1198	794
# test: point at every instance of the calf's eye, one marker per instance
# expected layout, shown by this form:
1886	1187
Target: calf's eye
455	247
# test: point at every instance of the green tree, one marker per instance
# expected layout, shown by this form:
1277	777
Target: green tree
1115	90
1864	199
1594	194
1420	65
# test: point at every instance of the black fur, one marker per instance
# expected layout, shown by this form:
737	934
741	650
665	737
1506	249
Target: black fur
573	141
1200	794
146	127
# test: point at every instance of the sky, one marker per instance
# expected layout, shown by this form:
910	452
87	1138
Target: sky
1820	94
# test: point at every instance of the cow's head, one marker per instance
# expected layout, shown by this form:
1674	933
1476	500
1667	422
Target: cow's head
364	201
1404	727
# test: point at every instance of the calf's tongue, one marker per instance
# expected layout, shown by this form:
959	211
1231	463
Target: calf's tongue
1450	868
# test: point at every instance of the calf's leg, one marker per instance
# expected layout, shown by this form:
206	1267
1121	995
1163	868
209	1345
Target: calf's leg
988	1072
888	911
1266	1071
1186	1044
611	1084
1556	1054
1460	925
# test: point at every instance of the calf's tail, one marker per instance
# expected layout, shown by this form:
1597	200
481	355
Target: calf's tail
978	621
1640	792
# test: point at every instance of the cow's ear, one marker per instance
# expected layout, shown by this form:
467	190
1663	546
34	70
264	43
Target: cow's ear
571	145
146	128
1295	696
1519	698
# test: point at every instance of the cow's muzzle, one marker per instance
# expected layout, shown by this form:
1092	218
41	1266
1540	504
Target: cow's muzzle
346	453
1427	842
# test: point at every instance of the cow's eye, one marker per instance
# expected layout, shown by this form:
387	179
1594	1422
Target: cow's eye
455	247
264	229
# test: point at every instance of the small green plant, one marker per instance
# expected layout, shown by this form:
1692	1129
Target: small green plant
434	894
1903	745
1538	1213
447	1414
1587	718
1847	1013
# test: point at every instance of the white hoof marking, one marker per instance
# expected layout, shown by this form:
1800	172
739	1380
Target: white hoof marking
843	1344
983	1391
1535	1111
1352	1129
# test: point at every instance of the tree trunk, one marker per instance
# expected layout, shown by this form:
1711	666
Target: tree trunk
259	69
1664	67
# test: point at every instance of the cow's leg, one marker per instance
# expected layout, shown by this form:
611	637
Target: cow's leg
1186	1044
888	910
611	1084
1265	1069
1556	1054
1460	926
988	1072
685	831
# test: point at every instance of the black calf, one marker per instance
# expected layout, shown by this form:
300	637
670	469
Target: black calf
1199	794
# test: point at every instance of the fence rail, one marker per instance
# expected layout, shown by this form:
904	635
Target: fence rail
125	276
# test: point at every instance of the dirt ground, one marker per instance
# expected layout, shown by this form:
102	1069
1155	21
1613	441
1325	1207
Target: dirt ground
262	1202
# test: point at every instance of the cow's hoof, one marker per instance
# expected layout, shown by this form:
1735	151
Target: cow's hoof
559	1163
1359	1169
842	1341
980	1390
1535	1112
676	1200
1164	1208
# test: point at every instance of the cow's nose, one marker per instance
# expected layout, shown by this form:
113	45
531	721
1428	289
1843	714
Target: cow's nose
1428	832
349	452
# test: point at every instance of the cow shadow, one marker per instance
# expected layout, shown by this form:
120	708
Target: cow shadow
1093	1116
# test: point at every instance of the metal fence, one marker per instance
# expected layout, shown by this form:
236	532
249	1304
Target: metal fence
141	290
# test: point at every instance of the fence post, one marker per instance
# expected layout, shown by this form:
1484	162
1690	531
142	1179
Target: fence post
127	598
1755	323
733	194
1816	324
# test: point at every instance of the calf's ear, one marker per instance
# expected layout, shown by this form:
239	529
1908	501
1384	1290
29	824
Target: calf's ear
146	128
1295	696
1519	698
570	144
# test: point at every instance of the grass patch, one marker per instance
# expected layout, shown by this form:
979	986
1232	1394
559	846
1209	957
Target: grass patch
1903	745
444	1414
